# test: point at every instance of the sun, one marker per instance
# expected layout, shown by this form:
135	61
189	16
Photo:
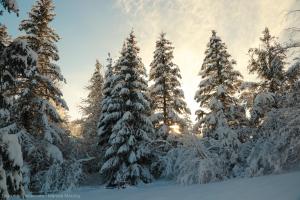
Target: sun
175	129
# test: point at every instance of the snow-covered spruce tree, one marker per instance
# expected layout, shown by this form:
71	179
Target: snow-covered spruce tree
219	84
91	109
110	112
167	98
268	62
39	106
127	156
220	112
17	64
108	107
276	89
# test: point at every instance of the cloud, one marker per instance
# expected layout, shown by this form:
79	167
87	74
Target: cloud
188	24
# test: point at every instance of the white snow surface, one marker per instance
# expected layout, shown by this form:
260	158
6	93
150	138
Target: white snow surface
273	187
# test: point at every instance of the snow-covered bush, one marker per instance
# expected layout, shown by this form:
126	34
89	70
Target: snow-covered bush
278	148
159	149
49	168
293	97
59	177
263	102
197	160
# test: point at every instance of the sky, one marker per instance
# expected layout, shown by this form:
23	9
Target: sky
89	29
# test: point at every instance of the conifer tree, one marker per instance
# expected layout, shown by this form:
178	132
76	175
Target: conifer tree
92	104
127	154
40	116
108	108
91	110
217	88
268	62
17	64
220	110
42	37
167	97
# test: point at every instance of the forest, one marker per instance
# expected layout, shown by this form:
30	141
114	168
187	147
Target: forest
136	126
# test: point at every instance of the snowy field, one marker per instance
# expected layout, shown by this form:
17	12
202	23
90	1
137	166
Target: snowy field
275	187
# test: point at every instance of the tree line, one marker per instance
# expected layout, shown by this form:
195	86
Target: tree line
230	116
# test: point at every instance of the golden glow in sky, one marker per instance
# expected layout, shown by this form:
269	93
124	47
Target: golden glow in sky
188	24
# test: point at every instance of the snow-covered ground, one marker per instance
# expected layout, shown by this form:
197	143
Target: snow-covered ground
275	187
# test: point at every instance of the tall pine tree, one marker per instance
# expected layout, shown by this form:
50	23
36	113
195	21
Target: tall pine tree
220	110
42	37
40	115
216	90
127	155
17	64
267	62
167	97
